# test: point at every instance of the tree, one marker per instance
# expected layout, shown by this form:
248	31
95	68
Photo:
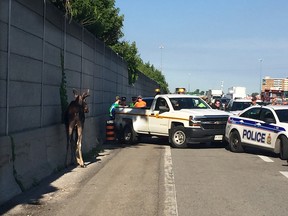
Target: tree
156	75
130	53
100	17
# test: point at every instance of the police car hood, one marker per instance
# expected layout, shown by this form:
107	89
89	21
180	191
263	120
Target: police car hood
205	112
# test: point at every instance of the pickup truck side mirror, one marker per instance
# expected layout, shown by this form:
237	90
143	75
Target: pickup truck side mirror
163	109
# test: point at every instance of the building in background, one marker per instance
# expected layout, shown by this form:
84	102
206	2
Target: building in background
274	87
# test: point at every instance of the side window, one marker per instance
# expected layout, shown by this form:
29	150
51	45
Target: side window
253	113
267	116
282	115
160	102
148	103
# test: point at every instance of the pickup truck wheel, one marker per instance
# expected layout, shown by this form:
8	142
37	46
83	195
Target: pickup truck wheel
130	136
178	137
283	147
235	144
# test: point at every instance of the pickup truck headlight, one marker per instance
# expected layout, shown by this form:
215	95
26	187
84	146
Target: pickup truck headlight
193	122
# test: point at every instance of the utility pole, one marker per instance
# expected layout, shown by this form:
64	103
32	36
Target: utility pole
161	47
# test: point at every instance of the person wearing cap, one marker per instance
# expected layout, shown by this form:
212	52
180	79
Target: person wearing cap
134	100
140	103
113	106
123	102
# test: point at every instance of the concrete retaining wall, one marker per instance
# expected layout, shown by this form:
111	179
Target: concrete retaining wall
34	38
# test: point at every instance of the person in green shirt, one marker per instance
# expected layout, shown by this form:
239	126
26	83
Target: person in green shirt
134	100
113	106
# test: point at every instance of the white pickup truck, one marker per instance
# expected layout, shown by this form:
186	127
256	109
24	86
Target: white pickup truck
183	118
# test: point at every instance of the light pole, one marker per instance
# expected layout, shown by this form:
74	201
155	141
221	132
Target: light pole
161	47
260	76
189	75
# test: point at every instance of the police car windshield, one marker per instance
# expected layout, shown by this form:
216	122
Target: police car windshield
282	115
188	103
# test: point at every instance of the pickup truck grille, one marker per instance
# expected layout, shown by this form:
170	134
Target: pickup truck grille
213	123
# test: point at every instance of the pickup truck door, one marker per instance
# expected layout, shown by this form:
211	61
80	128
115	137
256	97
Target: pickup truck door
158	121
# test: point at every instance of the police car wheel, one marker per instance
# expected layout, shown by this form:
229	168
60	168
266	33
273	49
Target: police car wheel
235	142
283	141
178	137
130	136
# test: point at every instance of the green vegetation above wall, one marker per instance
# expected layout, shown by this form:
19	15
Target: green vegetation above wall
102	19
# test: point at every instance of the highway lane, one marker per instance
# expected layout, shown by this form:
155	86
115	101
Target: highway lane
126	181
214	181
152	179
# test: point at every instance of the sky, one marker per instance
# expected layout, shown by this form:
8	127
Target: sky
210	44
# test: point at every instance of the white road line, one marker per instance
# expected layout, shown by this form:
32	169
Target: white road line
266	159
285	173
170	190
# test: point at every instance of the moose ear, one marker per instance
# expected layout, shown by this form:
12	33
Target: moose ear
75	92
86	94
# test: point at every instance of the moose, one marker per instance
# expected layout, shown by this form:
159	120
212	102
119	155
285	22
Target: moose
74	118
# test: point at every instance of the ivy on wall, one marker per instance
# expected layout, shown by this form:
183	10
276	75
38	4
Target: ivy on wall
63	88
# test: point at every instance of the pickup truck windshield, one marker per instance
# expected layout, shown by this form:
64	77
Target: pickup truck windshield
188	103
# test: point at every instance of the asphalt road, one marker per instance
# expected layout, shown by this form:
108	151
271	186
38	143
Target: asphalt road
152	179
214	181
123	181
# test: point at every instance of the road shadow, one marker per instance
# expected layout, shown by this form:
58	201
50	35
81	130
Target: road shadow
36	194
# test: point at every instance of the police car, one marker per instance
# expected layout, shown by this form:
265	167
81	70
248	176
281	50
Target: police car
261	127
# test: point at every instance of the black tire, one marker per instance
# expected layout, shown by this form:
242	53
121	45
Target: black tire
178	137
283	147
129	135
119	131
235	144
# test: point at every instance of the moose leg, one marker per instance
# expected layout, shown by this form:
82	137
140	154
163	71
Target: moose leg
78	148
73	141
68	137
69	131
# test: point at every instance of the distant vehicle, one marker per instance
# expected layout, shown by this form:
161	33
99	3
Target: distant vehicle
261	127
236	92
237	105
214	94
224	102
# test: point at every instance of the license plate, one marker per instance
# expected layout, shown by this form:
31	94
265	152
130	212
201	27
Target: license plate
218	137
